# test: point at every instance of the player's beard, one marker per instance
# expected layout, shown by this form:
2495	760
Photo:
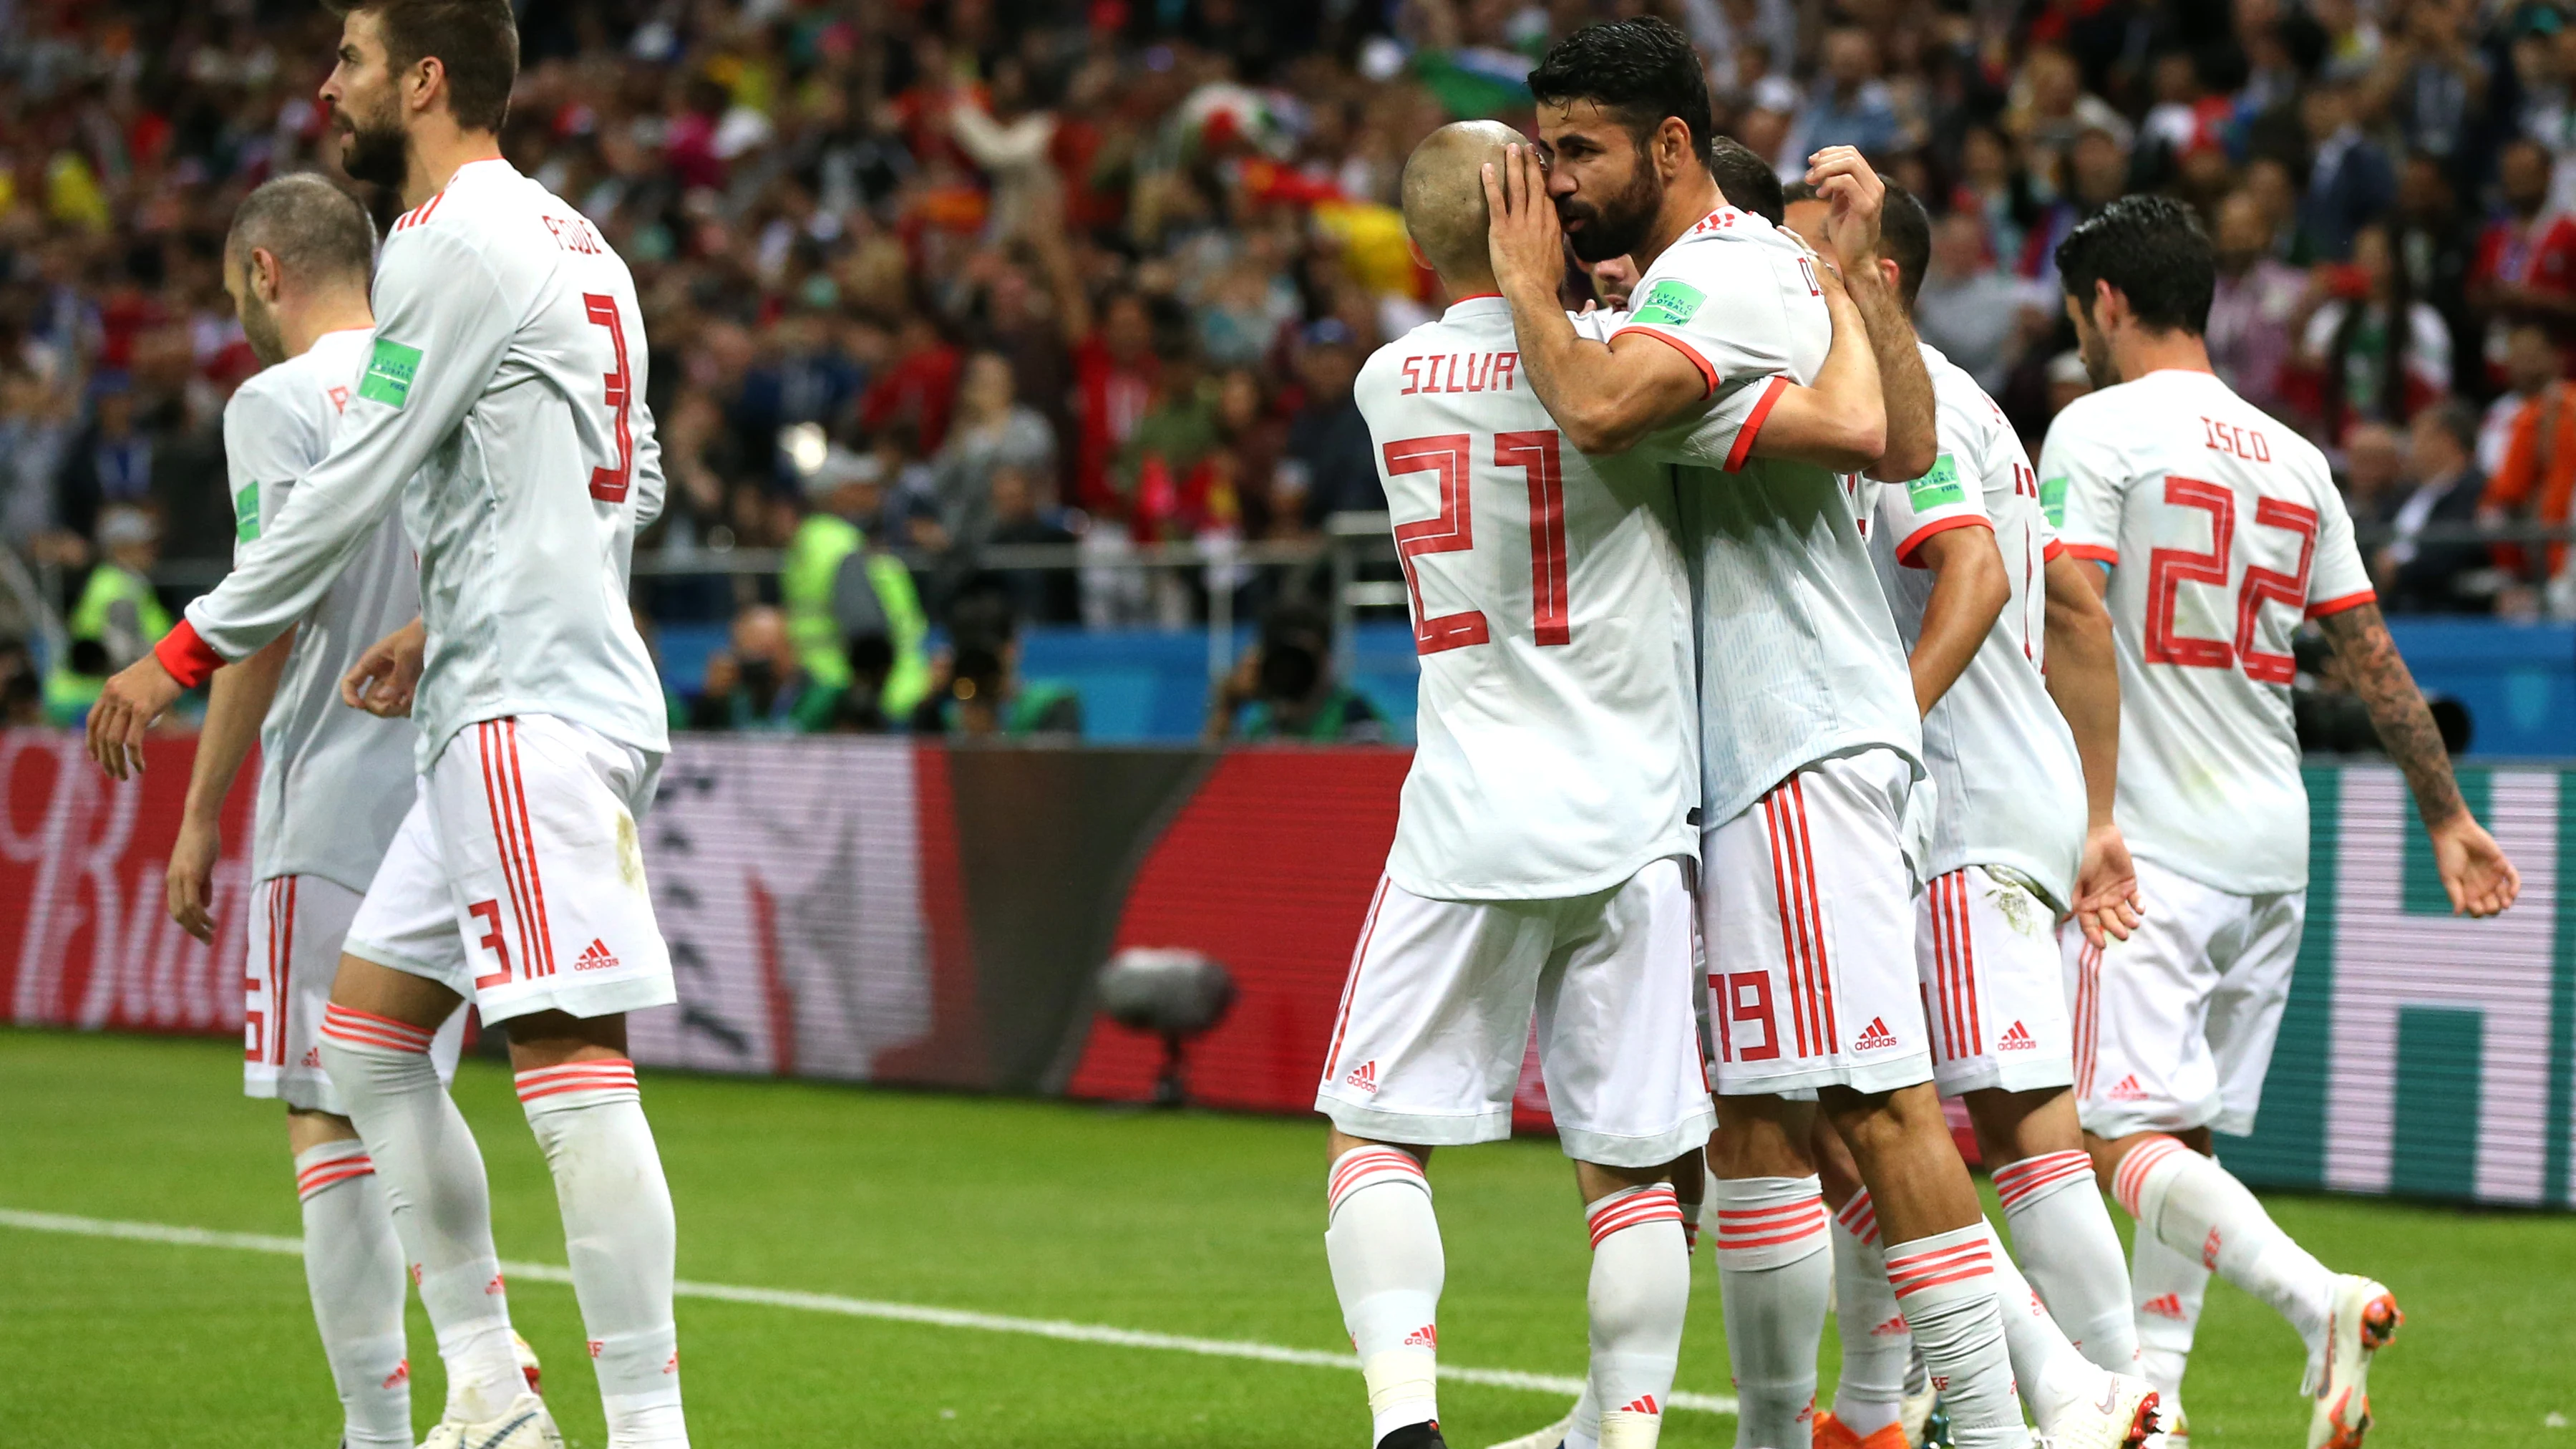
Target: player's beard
374	153
2095	349
260	329
1619	226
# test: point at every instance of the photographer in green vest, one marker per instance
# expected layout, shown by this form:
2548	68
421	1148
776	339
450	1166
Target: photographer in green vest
117	618
835	588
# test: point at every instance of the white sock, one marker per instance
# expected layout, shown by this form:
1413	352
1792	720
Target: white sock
353	1267
618	1237
2063	1235
2051	1374
1877	1346
2169	1287
1774	1276
1945	1283
1383	1244
2196	1206
1639	1295
432	1174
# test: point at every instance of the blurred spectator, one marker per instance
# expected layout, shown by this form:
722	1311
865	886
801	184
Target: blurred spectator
2257	302
980	694
1283	688
2350	182
1018	517
1113	369
22	694
118	617
835	586
2374	468
2432	79
2435	577
2373	351
1848	104
2437	247
2526	263
35	435
110	462
2536	480
2531	363
1970	308
1331	463
992	431
760	682
918	388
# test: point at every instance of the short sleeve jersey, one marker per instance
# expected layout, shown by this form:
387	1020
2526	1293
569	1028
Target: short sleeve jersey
2003	763
1798	657
2222	530
333	781
502	401
1551	612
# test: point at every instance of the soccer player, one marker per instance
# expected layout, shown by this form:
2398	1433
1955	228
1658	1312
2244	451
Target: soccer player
2216	531
1544	852
1996	619
1809	734
333	782
502	403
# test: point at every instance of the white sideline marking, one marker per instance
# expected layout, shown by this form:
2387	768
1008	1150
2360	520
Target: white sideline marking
863	1308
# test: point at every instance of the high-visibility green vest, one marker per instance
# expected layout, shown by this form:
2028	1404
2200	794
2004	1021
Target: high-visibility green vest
68	694
814	558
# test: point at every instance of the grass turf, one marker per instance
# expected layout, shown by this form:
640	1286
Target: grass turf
1189	1224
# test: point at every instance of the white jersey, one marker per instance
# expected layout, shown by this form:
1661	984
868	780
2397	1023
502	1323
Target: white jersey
1551	612
333	781
503	401
1798	657
2003	762
2222	530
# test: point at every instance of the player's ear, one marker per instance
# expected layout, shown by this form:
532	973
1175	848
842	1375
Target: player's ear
267	277
2107	304
1413	249
422	82
1890	274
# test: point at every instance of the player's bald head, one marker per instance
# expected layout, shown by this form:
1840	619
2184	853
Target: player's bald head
1444	193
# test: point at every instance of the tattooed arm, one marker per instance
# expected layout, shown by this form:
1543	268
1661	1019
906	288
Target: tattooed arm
2481	881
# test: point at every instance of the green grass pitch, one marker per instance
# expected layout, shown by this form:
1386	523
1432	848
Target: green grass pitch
1174	1223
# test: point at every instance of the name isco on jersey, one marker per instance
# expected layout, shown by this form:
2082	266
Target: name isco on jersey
1462	372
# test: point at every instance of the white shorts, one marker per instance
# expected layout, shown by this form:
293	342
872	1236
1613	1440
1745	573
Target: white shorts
297	923
1994	984
2174	1026
1811	974
1436	1019
517	880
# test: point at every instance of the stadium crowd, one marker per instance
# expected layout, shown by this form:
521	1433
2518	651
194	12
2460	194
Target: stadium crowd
968	274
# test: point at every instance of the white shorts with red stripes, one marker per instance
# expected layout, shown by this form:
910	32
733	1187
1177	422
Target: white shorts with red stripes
517	880
297	923
1809	903
1436	1020
1994	991
2174	1027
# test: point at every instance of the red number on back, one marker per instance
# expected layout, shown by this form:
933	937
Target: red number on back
1454	531
608	485
2168	569
2263	584
1536	453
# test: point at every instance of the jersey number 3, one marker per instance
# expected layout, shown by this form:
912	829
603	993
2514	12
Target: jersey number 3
608	485
1454	531
2168	569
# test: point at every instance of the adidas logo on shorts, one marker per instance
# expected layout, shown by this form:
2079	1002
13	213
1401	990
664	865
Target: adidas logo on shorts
1363	1076
2128	1090
2017	1040
2166	1306
1876	1037
595	957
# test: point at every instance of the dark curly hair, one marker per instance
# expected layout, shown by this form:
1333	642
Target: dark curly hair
2153	250
1641	70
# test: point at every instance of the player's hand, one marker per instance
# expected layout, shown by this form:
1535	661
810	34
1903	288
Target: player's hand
190	887
1856	195
125	712
2106	888
384	678
2481	881
1522	237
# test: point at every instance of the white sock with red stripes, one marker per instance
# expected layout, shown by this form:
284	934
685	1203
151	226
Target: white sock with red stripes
2169	1288
2050	1372
1945	1286
1878	1349
2193	1205
1383	1244
619	1238
432	1173
1774	1275
2063	1235
353	1268
1639	1295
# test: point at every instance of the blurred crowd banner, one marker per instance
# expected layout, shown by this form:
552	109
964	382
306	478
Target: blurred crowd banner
891	911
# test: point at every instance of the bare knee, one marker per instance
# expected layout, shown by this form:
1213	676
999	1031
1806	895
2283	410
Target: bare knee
1876	1123
1761	1137
556	1038
2012	1126
380	990
1597	1180
306	1130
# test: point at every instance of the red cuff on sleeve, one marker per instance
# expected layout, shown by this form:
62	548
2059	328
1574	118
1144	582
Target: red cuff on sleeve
2049	554
1914	540
190	660
2323	607
1707	373
2093	553
1753	421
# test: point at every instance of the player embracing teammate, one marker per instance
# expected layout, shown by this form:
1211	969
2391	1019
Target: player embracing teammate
500	404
